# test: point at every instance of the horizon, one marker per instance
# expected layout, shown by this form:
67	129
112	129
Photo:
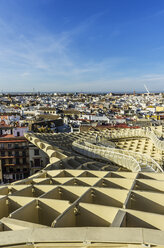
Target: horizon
81	92
61	45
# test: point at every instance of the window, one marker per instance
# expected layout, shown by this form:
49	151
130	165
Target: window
10	160
36	152
24	153
2	153
17	154
2	146
3	162
37	162
17	161
9	145
9	153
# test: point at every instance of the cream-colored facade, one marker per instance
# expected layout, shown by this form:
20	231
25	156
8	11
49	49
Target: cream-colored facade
37	159
159	109
82	199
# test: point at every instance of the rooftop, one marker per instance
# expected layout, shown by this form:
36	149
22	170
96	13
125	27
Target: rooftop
81	200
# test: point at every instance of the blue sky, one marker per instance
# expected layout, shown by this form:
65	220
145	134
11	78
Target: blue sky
81	45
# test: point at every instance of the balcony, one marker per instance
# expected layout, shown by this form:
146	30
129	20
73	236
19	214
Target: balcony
16	164
12	156
13	148
9	164
19	147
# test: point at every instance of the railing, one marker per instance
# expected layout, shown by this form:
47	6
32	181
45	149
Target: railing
101	147
144	160
104	153
139	133
133	161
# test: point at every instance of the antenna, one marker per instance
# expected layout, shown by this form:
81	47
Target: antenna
146	89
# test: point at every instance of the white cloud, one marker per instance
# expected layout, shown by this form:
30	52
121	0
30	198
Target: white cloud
25	74
50	62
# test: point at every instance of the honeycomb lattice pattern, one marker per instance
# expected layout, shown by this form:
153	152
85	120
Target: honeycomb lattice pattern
142	145
78	198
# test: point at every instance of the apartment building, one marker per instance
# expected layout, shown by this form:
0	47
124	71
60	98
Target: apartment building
14	157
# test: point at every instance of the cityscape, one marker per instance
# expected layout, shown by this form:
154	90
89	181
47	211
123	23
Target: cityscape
68	113
81	124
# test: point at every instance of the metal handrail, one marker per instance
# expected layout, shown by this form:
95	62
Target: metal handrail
101	153
139	160
127	133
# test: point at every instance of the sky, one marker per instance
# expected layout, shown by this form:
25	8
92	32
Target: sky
81	45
